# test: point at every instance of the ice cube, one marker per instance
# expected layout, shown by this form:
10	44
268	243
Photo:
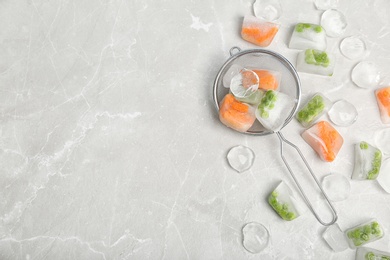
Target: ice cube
335	238
241	158
258	31
244	83
353	47
316	62
326	4
382	140
334	23
268	79
364	233
274	109
269	10
336	187
235	114
313	109
253	99
368	160
383	100
283	201
230	73
308	36
384	178
324	139
254	237
343	113
365	75
365	253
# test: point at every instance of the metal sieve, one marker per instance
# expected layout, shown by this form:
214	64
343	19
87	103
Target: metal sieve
290	85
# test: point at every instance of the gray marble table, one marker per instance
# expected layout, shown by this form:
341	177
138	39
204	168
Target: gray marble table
111	148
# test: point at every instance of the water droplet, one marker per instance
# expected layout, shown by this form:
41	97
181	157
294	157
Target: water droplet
353	47
365	75
241	158
336	186
334	23
343	113
254	237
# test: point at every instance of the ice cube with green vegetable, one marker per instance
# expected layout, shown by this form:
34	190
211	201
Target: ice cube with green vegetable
274	109
364	233
313	109
316	62
368	160
308	36
282	200
365	253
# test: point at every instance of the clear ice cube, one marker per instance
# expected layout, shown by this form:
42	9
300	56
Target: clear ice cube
334	22
336	187
365	253
365	75
308	36
343	113
326	4
353	47
335	238
254	237
384	178
241	158
283	201
269	10
313	109
244	83
230	73
368	160
382	140
364	233
274	109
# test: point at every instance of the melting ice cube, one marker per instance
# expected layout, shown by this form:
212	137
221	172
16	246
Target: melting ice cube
368	160
384	178
241	158
334	22
254	237
336	186
326	4
353	47
268	10
343	113
365	75
335	238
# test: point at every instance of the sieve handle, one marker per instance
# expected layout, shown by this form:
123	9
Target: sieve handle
284	140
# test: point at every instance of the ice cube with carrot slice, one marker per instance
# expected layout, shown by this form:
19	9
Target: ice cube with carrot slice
235	114
258	31
383	100
268	79
324	139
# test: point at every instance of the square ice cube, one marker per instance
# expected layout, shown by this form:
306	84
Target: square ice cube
313	109
316	62
308	36
368	160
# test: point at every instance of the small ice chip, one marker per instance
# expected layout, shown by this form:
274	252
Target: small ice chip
382	140
269	10
326	4
353	47
336	187
384	178
335	238
343	113
241	158
254	237
334	23
365	75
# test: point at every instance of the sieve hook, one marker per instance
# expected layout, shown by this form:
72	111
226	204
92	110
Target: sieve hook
308	203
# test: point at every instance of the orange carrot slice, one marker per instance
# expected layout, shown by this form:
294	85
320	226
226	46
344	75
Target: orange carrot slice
267	80
235	114
332	141
383	98
258	32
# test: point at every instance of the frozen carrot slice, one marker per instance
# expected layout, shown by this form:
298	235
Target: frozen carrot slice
383	100
268	80
324	139
235	114
257	31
